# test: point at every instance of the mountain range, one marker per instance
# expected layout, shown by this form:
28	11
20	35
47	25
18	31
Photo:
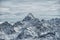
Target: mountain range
32	28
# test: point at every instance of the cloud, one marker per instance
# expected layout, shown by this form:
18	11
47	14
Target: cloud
13	9
2	9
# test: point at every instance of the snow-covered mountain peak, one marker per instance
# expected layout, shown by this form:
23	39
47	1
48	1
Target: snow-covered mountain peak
29	17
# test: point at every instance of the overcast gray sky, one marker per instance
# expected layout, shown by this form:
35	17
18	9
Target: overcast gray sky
17	9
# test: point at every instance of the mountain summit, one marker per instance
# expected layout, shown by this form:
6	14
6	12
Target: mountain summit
29	17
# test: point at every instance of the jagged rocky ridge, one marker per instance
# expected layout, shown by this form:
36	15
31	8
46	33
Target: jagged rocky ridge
31	28
7	28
